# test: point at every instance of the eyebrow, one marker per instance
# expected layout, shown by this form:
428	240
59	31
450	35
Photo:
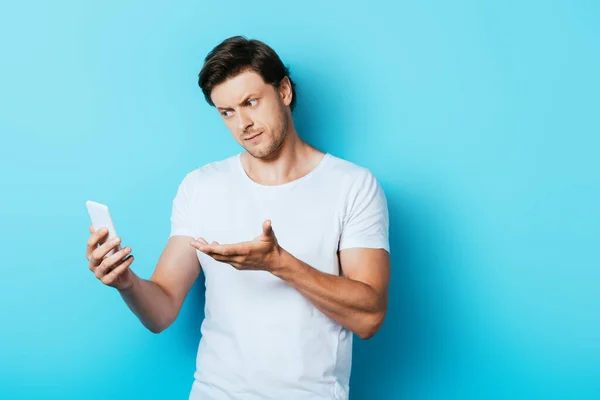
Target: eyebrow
248	97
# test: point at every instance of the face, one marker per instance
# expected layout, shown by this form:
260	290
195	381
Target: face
254	111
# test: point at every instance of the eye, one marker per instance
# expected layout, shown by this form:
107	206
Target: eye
252	102
225	113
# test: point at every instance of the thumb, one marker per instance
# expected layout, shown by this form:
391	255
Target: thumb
268	229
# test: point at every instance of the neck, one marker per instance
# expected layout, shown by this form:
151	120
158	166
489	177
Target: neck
294	159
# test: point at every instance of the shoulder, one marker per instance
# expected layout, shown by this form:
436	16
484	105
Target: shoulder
211	171
350	174
358	186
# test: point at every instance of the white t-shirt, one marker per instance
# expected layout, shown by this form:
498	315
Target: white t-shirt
261	339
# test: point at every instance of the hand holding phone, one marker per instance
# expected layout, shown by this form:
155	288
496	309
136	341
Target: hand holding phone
109	262
101	219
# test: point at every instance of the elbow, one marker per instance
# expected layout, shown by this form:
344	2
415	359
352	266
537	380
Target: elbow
371	325
158	327
162	320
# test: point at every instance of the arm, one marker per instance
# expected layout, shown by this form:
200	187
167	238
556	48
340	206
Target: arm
157	301
357	300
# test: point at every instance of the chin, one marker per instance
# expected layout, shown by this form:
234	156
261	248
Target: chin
258	153
265	149
261	151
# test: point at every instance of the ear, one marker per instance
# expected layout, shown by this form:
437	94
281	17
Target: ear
285	91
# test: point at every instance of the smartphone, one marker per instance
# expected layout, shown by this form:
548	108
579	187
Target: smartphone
101	218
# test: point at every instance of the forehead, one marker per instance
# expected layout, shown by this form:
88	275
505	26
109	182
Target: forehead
233	90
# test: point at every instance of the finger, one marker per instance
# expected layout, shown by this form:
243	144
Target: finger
202	246
100	235
267	228
96	236
219	257
101	252
110	278
237	260
110	262
93	241
238	249
235	265
198	242
230	250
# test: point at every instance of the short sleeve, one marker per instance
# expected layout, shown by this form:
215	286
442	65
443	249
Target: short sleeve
181	221
366	222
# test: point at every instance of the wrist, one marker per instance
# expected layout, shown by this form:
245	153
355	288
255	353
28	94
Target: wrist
129	283
284	265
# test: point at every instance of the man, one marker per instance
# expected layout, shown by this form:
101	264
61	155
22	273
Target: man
293	243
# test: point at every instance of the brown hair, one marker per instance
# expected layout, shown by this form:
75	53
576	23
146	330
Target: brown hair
237	54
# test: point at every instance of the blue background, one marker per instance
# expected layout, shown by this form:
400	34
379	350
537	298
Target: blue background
480	119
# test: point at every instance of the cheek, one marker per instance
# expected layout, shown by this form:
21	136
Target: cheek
232	126
273	119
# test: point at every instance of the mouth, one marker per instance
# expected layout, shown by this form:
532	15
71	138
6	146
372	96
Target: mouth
252	138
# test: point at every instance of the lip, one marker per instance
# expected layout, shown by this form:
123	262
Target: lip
253	137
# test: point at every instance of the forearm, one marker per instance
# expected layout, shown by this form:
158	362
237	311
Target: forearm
150	303
353	304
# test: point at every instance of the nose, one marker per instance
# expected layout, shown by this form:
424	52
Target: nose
244	121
